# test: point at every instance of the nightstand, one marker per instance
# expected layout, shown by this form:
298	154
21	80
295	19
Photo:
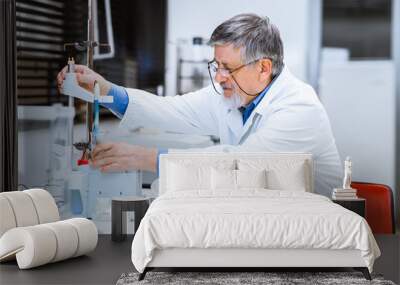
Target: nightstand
355	205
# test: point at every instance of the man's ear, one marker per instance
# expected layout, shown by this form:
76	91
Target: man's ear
266	69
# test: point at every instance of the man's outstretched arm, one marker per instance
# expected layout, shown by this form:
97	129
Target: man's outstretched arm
120	100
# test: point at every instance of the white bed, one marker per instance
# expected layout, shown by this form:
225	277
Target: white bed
219	217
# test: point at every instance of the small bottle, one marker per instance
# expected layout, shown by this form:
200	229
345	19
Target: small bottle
71	65
197	49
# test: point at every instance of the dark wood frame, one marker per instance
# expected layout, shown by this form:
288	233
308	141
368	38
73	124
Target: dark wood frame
8	98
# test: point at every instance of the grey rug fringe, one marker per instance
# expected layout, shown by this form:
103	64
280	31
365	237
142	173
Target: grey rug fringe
243	278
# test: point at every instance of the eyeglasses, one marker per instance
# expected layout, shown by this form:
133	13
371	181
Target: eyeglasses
213	69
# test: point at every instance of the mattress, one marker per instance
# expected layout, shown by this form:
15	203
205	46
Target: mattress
250	219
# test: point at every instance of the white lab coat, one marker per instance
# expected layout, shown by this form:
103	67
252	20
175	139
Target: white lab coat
290	118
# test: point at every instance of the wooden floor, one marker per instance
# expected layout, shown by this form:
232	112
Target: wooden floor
110	260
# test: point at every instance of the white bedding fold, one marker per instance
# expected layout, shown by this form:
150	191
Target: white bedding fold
250	219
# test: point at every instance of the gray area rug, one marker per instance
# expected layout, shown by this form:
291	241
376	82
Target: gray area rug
229	278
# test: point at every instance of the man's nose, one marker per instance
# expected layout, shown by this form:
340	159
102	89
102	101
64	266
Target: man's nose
219	78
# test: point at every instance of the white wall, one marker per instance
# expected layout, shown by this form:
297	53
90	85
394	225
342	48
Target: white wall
189	18
360	100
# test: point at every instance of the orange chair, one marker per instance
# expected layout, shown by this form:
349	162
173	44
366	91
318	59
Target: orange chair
379	209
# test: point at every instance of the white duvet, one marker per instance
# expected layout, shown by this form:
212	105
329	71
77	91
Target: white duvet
250	219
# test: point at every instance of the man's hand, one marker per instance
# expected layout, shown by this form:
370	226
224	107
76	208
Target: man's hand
122	156
86	78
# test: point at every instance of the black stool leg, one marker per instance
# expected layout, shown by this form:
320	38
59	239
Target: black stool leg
117	221
364	271
143	274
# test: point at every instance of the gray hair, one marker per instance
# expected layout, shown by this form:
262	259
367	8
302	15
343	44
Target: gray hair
257	37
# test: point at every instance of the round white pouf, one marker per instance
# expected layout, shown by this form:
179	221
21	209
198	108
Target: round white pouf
33	246
23	208
87	234
67	240
6	215
45	205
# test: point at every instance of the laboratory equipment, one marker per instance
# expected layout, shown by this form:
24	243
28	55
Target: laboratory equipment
95	188
89	191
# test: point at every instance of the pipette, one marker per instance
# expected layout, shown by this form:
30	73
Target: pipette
96	112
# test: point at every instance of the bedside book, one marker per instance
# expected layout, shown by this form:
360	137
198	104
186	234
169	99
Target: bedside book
334	197
339	193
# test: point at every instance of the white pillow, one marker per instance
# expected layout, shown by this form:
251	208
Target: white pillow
281	174
182	177
290	176
223	179
251	178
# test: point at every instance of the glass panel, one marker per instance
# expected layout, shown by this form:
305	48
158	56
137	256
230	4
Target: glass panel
364	27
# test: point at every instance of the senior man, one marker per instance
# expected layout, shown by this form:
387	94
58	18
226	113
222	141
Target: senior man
254	104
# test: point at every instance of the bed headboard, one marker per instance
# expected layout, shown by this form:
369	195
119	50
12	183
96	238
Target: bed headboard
285	167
